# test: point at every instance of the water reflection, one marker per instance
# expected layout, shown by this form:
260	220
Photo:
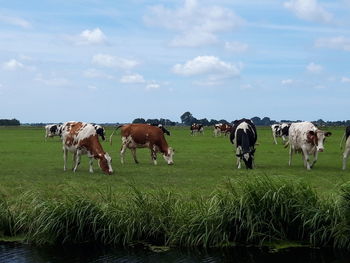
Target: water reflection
19	253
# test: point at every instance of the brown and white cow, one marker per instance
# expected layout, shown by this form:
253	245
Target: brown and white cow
144	136
222	128
81	138
196	128
306	138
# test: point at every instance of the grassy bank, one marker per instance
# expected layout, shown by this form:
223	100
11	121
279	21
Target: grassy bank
203	200
259	212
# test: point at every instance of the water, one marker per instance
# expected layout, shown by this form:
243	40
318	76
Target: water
20	253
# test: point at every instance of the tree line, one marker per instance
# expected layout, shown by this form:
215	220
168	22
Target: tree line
188	119
8	122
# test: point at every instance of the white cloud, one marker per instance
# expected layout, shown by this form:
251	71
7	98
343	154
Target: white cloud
194	23
345	80
53	81
109	61
320	87
15	21
210	65
12	65
287	81
235	46
91	37
341	43
91	87
314	68
246	87
94	73
152	86
309	10
132	78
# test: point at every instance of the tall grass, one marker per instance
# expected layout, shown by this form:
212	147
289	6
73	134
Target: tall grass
253	213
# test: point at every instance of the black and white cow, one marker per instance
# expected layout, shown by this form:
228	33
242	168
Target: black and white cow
100	131
347	146
52	130
160	126
244	136
280	130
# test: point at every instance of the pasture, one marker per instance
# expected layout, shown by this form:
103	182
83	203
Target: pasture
203	163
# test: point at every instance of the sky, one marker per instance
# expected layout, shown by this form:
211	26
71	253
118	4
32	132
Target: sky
114	61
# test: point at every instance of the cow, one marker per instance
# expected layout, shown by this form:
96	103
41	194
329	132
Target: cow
280	130
144	136
347	146
81	138
244	136
222	128
52	130
196	128
306	138
160	126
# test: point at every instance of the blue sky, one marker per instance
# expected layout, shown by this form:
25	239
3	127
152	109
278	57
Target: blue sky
114	61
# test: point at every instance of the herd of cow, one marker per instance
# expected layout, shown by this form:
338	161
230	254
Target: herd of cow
82	138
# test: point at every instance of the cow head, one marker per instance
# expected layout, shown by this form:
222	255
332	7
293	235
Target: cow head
105	163
101	131
168	157
317	138
248	158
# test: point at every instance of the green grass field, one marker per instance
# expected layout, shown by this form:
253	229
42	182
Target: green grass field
202	164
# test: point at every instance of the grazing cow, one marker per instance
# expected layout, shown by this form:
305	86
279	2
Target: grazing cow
222	128
244	136
100	131
280	130
196	128
347	146
144	136
306	138
81	138
52	130
160	126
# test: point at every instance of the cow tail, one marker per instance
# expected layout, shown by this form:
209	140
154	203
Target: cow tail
341	142
110	137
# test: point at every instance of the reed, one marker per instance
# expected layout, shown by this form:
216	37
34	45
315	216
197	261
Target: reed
251	213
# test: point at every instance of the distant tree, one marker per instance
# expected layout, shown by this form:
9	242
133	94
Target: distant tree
256	120
204	122
187	118
213	122
139	120
265	121
152	121
7	122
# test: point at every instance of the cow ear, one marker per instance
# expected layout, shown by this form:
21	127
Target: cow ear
327	134
310	136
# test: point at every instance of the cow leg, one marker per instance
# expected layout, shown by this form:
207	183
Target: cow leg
274	138
90	165
65	151
153	154
290	155
345	157
133	152
77	160
315	159
238	152
284	139
306	159
122	152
